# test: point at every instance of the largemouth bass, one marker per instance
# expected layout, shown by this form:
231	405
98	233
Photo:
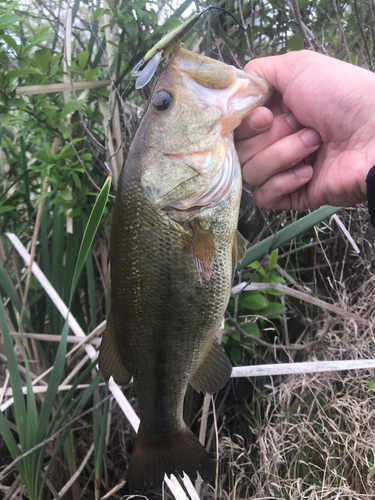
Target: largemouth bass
174	247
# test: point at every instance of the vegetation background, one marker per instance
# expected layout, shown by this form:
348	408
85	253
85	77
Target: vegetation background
302	436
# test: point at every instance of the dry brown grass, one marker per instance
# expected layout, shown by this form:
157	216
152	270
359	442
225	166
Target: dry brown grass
315	438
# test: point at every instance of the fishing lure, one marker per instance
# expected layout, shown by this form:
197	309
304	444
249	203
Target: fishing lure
167	45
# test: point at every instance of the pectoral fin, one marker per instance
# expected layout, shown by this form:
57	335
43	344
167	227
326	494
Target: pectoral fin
238	249
110	360
203	249
214	370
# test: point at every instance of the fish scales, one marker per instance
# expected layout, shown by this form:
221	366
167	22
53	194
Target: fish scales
173	250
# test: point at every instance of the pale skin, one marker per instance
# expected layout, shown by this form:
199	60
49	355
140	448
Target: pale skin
315	143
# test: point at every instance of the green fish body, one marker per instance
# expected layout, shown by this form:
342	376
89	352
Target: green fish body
174	247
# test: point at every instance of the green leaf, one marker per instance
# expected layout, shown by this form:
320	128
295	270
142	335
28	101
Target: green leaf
273	308
8	19
82	59
253	301
66	195
98	12
90	74
76	180
90	231
236	336
6	208
286	234
10	41
302	4
251	329
101	91
273	259
170	24
18	103
22	72
15	378
236	355
9	439
53	385
71	107
295	42
260	269
42	58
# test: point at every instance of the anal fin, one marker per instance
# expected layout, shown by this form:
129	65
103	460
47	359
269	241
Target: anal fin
110	360
214	371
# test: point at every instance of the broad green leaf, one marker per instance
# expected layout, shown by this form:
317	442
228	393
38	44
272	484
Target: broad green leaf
251	329
18	103
98	12
236	336
8	19
82	59
22	72
10	41
42	58
170	24
6	208
235	355
273	259
295	42
260	269
71	107
253	301
274	308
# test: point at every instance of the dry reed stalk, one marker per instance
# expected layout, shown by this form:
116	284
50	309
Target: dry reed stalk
60	87
117	158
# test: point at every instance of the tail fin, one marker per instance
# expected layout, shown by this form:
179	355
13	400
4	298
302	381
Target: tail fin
180	453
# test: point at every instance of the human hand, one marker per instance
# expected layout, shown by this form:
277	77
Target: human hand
316	143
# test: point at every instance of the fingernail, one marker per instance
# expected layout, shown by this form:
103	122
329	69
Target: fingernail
303	172
258	122
311	137
293	122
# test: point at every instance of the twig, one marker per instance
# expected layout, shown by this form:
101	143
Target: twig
291	347
77	472
301	24
363	35
298	295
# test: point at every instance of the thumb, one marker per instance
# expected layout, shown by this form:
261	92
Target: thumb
279	70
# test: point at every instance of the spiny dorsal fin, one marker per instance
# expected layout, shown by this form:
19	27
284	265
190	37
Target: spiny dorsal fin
110	361
214	371
203	249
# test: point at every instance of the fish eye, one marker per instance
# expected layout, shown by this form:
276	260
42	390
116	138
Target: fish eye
162	100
